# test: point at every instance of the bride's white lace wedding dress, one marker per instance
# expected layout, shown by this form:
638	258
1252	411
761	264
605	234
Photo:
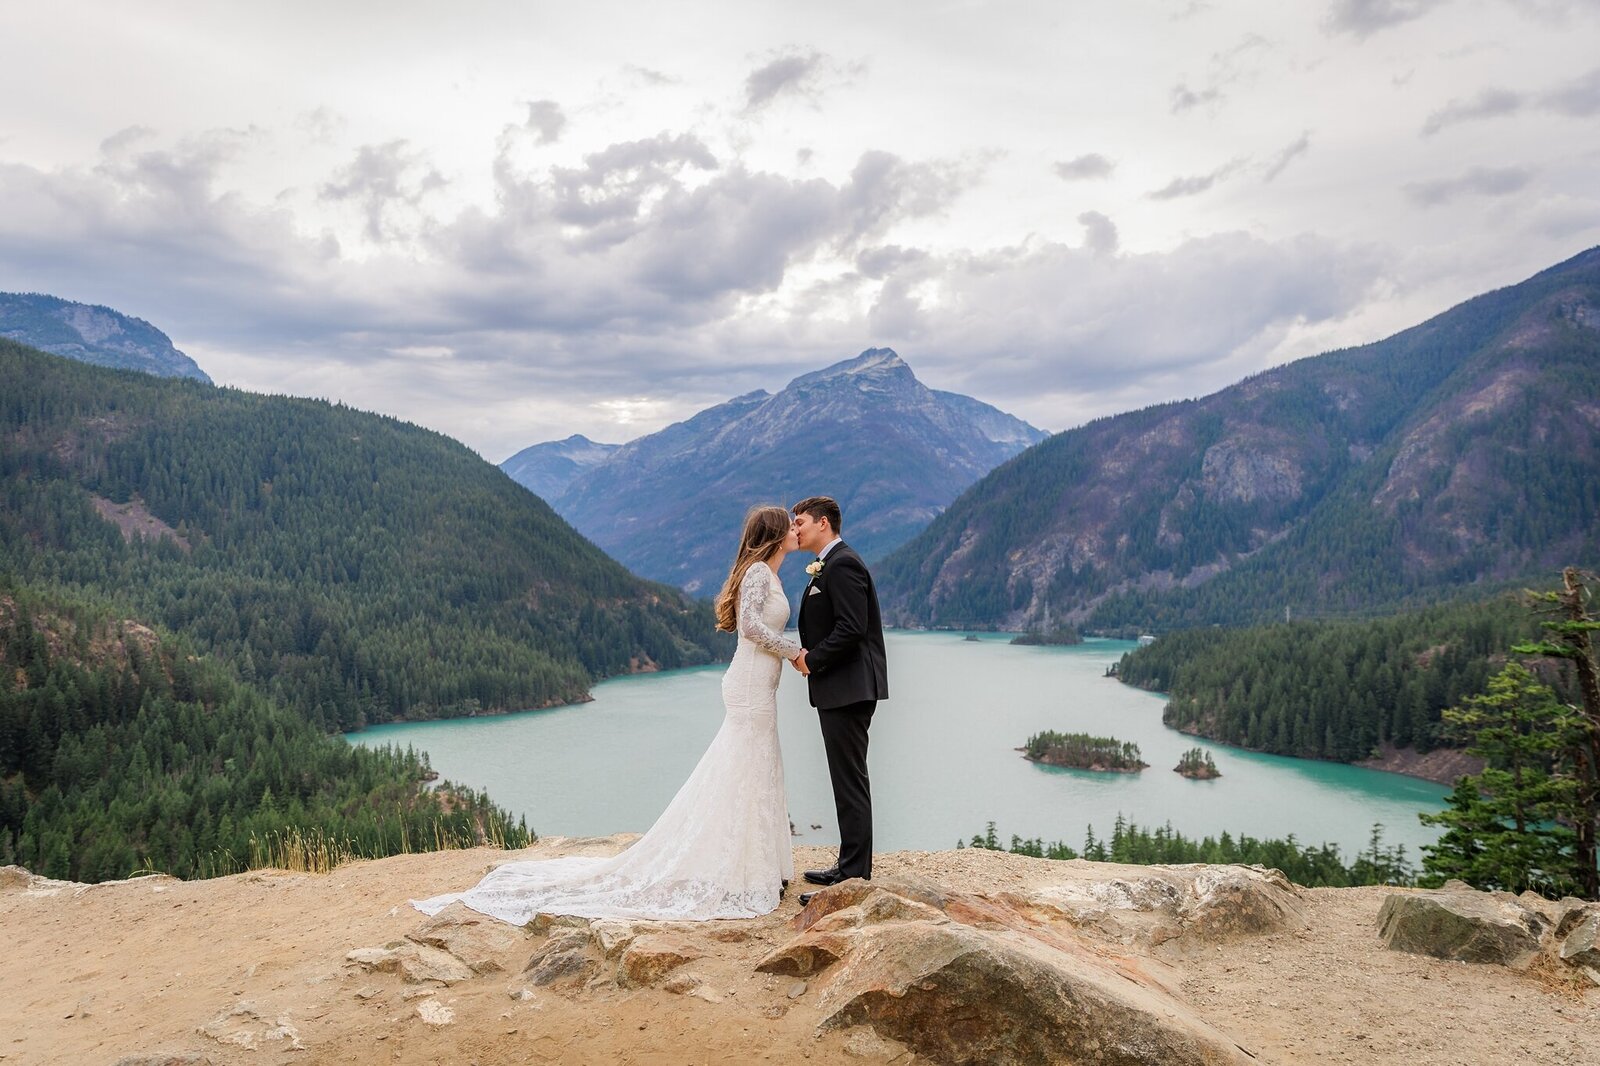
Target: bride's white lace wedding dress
721	849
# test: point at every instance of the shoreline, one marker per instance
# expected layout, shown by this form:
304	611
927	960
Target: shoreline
1441	766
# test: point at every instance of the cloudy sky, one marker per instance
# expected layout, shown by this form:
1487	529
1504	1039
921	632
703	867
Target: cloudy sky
511	221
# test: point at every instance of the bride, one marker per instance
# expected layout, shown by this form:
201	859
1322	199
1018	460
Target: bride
721	849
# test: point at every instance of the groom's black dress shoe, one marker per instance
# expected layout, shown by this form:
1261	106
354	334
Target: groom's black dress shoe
805	898
830	876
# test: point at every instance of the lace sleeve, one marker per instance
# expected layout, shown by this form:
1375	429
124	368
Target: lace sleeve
753	593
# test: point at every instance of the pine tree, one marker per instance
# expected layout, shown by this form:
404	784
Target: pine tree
1572	643
1504	824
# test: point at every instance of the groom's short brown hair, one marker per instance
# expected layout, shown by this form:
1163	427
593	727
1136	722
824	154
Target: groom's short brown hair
819	507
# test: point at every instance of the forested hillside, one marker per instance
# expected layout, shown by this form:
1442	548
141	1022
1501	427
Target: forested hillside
1331	690
121	750
1460	455
357	568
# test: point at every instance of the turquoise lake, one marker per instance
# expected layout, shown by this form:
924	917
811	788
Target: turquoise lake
943	757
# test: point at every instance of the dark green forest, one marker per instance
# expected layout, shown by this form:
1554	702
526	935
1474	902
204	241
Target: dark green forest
122	750
294	569
1331	690
356	568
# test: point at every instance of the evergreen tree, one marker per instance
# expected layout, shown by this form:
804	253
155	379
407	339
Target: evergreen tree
1504	825
1571	642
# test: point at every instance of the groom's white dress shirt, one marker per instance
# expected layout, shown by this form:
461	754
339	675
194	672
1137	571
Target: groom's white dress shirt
823	554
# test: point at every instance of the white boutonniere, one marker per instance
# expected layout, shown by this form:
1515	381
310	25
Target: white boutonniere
814	568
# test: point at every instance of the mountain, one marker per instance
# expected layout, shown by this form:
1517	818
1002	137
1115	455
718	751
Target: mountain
92	334
356	568
1460	455
547	469
865	431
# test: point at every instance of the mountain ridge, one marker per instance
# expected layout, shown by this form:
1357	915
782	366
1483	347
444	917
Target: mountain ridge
1344	482
93	333
864	430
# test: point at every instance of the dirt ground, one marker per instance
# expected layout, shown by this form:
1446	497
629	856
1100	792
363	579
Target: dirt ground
95	973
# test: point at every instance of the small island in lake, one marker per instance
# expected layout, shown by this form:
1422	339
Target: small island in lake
1058	635
1198	764
1080	751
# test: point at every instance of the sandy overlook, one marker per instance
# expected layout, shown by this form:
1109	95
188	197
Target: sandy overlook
1212	964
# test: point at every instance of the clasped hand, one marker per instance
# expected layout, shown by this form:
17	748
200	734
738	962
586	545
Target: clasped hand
799	663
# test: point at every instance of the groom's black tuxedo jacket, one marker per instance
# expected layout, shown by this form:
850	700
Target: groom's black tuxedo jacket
842	633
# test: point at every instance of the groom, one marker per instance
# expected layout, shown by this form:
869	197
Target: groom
847	674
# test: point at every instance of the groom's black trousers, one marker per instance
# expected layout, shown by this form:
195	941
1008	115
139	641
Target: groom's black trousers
844	738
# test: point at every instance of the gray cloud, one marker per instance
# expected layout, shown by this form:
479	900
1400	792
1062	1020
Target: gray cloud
1490	103
1226	68
880	262
1579	98
381	178
1084	167
1052	320
794	73
145	229
613	183
1479	181
546	119
1195	184
1184	98
1100	233
1287	156
1363	18
651	77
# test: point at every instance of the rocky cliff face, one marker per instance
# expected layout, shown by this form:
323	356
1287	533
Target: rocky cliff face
1461	453
892	451
92	334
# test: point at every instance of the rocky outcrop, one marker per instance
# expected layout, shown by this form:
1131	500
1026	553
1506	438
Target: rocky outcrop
974	979
1463	924
648	959
468	936
948	957
92	334
956	977
1184	905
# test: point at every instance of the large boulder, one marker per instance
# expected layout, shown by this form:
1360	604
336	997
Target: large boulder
961	995
1580	944
975	979
1462	924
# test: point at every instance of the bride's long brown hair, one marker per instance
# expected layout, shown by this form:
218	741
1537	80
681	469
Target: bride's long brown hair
764	531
